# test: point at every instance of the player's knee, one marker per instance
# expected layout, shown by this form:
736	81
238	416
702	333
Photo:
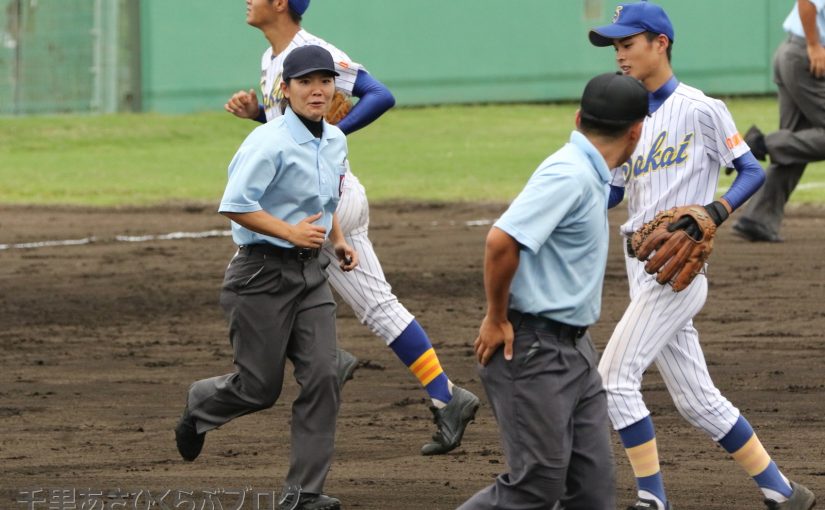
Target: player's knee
261	394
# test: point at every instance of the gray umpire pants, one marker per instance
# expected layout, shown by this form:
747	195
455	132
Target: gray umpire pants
278	307
552	414
801	136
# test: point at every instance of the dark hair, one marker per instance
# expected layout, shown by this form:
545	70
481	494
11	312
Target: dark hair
607	129
652	35
296	18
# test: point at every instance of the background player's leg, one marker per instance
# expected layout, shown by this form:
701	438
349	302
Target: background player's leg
370	296
685	372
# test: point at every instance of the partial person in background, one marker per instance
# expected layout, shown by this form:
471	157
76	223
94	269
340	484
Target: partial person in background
366	289
281	196
544	266
686	140
799	73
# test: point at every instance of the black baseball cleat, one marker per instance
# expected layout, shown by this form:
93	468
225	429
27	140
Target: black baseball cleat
647	504
451	422
347	363
754	232
756	141
189	442
801	499
292	498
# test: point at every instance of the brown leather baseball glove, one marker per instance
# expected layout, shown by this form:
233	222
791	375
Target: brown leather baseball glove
339	108
680	241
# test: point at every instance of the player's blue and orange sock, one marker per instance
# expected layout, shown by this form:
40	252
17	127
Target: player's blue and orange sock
746	449
414	349
639	441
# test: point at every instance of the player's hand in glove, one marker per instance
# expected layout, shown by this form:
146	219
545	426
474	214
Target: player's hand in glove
677	242
339	108
243	104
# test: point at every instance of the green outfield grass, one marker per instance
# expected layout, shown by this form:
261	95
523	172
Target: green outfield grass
441	153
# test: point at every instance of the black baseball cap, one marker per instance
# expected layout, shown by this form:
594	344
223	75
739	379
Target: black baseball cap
614	99
308	59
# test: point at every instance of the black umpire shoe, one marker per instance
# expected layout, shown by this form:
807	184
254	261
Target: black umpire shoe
293	499
347	363
754	232
756	141
189	442
801	499
451	422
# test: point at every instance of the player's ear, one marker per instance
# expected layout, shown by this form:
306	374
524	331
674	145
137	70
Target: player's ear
285	89
578	118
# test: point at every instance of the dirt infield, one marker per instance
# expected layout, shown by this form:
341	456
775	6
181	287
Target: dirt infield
100	342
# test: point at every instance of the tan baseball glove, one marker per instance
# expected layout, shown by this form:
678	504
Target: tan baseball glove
339	108
680	241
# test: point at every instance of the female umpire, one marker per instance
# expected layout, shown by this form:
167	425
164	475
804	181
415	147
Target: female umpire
284	185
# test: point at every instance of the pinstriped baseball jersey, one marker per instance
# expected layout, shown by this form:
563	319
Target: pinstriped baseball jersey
273	66
677	162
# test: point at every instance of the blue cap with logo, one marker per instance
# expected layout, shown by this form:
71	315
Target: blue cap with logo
633	19
299	6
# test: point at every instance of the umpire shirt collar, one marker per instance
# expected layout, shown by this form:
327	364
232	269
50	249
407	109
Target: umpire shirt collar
581	142
301	134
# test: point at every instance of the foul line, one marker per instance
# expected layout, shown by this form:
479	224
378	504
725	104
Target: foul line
172	236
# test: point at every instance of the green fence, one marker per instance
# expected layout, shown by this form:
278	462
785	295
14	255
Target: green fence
190	55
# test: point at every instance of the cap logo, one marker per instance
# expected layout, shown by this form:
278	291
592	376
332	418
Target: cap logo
617	13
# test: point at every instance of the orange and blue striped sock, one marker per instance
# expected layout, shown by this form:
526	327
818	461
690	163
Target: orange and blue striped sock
414	349
746	449
639	441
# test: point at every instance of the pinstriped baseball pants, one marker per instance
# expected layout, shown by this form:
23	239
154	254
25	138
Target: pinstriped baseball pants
365	289
657	327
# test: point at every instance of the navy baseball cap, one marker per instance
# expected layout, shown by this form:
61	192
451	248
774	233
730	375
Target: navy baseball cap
614	99
308	59
299	6
633	19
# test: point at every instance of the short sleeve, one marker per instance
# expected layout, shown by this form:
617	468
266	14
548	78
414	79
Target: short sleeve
550	194
251	171
722	139
346	67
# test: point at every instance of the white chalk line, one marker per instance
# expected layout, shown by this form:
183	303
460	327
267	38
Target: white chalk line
807	185
172	236
119	238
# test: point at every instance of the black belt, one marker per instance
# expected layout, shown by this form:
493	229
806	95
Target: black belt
301	254
559	329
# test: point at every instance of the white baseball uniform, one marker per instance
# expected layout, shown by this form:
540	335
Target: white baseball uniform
677	162
365	289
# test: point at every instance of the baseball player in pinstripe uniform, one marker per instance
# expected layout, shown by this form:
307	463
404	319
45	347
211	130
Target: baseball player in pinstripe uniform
686	139
366	289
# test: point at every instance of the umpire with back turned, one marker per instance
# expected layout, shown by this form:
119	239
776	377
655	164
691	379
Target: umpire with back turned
284	186
544	267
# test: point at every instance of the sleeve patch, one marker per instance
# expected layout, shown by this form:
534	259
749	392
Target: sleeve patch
733	141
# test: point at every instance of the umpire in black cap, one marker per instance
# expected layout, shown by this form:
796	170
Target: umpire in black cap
544	268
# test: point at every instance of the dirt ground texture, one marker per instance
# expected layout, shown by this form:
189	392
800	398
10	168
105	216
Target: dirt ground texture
101	341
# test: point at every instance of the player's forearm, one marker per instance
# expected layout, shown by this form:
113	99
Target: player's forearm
501	259
749	178
336	235
262	223
807	14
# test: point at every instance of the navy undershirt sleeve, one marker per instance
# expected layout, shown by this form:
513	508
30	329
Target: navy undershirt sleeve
749	178
616	196
374	98
261	114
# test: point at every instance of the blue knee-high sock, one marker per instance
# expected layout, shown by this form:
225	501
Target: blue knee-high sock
414	349
743	445
639	441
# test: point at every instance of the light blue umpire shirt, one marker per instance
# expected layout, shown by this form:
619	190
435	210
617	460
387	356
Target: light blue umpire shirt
281	168
560	221
793	24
